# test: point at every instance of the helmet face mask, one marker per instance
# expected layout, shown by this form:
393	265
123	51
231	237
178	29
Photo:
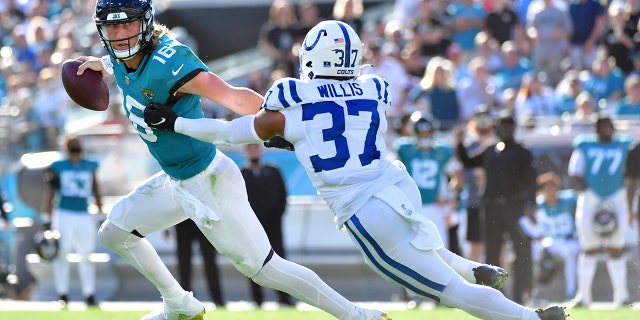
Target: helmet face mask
114	12
331	49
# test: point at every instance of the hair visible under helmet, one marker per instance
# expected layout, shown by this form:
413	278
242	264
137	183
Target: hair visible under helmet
112	12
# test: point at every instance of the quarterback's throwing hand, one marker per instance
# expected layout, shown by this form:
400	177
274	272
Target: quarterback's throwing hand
158	116
280	143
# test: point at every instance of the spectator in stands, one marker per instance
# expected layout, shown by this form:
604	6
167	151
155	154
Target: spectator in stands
502	23
388	67
514	67
605	82
429	31
277	35
476	89
618	36
556	213
467	19
535	98
349	12
588	19
629	105
405	11
549	27
583	119
436	94
308	17
489	49
566	92
50	104
268	198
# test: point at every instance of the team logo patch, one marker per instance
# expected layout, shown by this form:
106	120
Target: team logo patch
406	210
148	93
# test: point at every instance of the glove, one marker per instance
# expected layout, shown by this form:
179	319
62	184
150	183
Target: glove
159	116
280	143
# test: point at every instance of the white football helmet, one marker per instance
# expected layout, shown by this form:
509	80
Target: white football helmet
331	48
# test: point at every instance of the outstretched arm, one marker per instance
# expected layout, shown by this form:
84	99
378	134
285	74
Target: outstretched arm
237	131
248	129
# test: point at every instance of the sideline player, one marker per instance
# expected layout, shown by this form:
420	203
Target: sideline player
596	171
556	212
198	181
335	120
71	183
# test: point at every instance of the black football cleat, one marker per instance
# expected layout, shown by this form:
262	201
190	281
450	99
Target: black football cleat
91	301
552	313
490	276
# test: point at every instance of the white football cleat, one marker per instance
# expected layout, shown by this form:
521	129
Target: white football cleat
190	309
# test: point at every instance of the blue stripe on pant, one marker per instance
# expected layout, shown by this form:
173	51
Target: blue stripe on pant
386	265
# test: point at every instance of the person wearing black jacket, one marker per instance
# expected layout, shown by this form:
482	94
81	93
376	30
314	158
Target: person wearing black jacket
268	198
509	194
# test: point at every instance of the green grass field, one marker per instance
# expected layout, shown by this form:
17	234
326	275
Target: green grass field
292	314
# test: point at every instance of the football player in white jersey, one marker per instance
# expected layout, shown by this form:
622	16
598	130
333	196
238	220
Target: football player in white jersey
334	119
602	216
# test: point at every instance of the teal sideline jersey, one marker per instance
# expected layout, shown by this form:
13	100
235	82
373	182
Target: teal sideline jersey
426	167
604	163
559	219
76	183
158	77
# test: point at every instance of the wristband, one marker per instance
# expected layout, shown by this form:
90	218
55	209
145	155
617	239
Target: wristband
107	65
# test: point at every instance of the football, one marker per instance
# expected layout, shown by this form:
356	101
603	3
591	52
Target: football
88	90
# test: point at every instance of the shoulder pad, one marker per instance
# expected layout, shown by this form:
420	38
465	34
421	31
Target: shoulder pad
284	93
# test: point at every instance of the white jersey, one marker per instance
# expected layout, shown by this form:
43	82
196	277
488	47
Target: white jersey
337	129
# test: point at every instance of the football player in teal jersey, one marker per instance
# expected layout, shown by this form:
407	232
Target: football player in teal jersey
197	181
72	183
429	161
602	217
556	213
334	118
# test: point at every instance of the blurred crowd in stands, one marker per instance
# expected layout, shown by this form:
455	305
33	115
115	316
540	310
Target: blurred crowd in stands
443	57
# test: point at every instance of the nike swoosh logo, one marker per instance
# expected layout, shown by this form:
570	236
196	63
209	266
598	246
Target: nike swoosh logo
159	122
175	72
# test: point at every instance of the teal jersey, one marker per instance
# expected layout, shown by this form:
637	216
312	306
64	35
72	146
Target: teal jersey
426	166
559	219
604	163
76	183
158	77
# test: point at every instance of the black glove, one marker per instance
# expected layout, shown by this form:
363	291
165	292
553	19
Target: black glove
280	143
159	116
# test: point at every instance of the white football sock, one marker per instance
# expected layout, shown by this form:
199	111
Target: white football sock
587	264
462	266
305	285
618	273
484	302
142	256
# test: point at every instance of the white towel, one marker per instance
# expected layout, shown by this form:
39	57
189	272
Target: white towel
193	207
428	237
